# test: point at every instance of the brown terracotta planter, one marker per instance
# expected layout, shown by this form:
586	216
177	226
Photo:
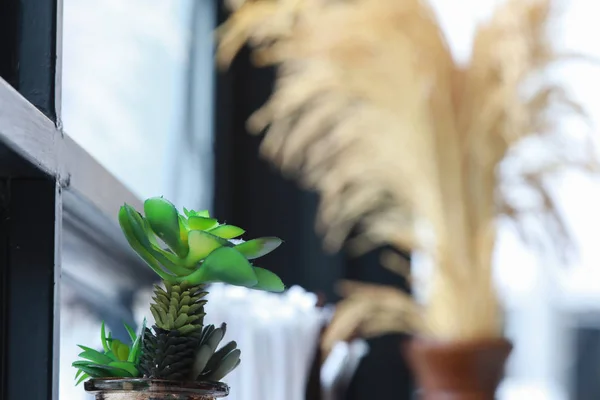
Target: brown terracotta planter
458	371
154	389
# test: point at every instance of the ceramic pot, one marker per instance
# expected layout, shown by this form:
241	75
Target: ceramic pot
458	370
154	389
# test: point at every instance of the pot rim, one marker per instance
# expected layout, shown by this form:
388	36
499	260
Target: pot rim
458	344
214	389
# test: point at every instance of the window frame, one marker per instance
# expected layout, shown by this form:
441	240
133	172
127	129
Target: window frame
48	183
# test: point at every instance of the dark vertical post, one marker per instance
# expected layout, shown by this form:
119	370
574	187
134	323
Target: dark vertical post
30	58
30	210
30	276
225	113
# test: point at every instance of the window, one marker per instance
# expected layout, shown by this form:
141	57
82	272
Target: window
100	103
544	302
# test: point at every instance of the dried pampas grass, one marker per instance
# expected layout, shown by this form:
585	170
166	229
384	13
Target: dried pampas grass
371	110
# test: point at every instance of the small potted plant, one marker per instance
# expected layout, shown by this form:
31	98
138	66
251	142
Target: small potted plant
178	357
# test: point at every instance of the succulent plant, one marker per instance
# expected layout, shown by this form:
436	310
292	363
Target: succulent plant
187	251
197	249
117	360
168	352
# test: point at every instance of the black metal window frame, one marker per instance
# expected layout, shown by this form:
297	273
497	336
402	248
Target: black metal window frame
48	185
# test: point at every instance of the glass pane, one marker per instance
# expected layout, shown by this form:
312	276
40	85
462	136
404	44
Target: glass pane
128	92
78	325
98	284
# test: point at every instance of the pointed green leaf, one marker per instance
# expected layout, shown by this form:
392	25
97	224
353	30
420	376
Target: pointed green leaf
94	372
131	333
186	212
201	213
101	371
93	355
80	363
82	378
107	371
256	248
225	264
201	223
134	354
268	281
103	337
227	231
112	356
201	245
164	220
127	366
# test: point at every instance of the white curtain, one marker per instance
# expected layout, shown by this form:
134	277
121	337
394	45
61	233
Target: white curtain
278	335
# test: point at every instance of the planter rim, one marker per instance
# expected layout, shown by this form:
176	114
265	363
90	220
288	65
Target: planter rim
214	389
459	344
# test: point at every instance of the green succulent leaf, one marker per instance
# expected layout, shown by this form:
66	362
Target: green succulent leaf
268	281
132	226
228	364
225	264
105	344
93	355
256	248
103	371
82	378
206	332
227	231
194	213
120	349
183	229
139	234
168	261
127	366
201	223
200	250
164	220
131	332
92	370
201	245
219	355
123	352
136	347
